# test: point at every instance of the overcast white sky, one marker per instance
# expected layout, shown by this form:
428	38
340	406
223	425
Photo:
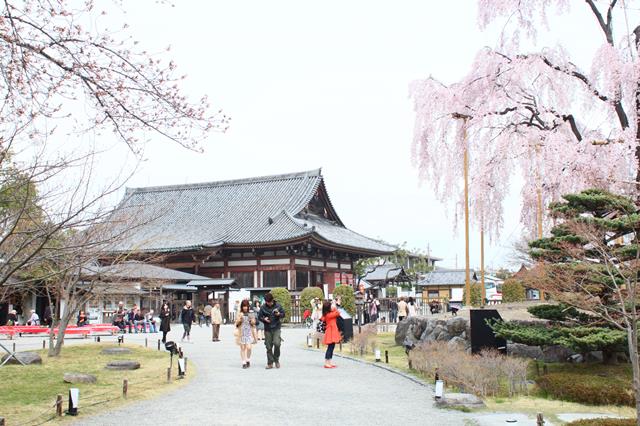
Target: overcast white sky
324	84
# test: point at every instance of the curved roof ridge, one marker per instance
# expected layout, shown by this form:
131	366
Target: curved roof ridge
257	179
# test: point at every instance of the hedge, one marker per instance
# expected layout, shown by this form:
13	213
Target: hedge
308	295
513	291
347	297
283	297
587	389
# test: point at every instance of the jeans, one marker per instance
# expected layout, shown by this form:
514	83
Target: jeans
187	330
207	320
329	353
272	342
142	324
393	315
215	328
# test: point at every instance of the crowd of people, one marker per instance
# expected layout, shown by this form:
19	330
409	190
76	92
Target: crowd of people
133	320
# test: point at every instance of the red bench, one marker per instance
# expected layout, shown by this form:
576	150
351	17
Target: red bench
72	329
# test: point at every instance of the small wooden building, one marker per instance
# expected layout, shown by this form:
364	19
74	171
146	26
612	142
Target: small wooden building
442	284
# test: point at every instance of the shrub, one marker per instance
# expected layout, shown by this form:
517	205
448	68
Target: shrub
476	294
283	297
348	299
488	373
366	338
587	389
307	295
513	291
603	422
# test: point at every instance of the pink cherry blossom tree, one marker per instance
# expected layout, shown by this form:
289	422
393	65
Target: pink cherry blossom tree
531	110
57	54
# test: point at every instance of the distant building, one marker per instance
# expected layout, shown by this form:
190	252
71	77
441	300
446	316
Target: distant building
442	284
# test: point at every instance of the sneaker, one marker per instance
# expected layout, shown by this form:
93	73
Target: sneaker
268	367
248	364
245	366
277	364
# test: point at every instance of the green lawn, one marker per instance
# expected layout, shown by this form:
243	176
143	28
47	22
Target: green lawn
29	392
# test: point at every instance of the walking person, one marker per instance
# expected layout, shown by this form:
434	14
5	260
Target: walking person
402	309
259	325
187	317
373	309
412	308
165	320
200	314
216	320
207	314
245	332
271	314
332	335
393	311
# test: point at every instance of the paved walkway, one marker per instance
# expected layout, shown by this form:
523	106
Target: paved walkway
301	392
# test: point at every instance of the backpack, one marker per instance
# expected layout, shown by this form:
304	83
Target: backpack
340	324
321	327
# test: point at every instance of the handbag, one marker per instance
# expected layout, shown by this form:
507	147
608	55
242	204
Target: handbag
321	327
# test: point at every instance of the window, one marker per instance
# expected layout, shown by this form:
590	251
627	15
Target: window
317	278
243	279
274	279
434	294
302	280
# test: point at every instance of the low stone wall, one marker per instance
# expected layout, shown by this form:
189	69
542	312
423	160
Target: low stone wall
414	330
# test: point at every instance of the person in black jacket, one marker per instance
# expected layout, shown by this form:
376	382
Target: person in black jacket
271	314
165	320
187	317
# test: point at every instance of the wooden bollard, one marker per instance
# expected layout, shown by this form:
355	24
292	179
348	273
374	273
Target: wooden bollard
146	343
44	344
158	344
340	347
317	343
14	346
410	366
361	351
539	420
169	375
386	357
185	364
537	368
545	369
59	405
125	387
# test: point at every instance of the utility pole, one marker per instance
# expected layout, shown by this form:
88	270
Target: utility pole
484	289
467	278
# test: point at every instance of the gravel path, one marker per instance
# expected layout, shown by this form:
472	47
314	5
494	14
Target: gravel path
301	392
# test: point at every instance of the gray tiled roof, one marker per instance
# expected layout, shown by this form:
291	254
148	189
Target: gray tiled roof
246	211
383	272
139	271
445	277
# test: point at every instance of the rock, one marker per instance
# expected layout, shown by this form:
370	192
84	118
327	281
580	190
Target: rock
556	353
460	400
594	356
123	365
457	343
456	326
79	378
27	358
576	358
116	351
524	351
417	325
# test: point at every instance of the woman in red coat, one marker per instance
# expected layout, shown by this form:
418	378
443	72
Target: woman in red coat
332	335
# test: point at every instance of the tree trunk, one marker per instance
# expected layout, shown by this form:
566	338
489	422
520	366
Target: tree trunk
632	339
